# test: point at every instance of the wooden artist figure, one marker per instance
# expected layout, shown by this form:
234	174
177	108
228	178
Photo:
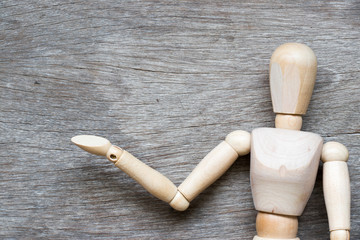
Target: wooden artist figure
284	159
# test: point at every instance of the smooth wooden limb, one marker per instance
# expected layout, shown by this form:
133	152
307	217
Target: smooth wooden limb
153	181
208	170
340	235
274	226
336	184
215	164
92	144
293	69
179	202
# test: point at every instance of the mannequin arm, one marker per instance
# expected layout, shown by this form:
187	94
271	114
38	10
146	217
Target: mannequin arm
336	184
208	170
214	165
154	182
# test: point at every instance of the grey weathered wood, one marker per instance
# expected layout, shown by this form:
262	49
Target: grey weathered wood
167	81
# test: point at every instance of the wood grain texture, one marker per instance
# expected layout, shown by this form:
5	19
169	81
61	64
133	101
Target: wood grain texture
167	81
284	166
292	77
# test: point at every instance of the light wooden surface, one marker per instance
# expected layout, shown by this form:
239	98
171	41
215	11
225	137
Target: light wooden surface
292	77
94	144
215	164
167	81
336	184
275	226
284	165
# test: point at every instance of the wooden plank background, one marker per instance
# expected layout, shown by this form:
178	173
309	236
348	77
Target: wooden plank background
166	80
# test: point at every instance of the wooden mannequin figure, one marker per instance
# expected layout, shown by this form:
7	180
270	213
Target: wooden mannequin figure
284	160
